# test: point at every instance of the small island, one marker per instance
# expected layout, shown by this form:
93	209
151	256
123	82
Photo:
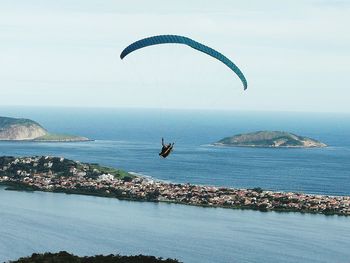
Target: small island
270	139
19	129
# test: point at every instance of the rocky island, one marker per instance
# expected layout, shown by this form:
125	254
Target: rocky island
273	139
18	129
57	174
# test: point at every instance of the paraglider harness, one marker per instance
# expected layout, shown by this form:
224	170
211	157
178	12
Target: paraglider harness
166	149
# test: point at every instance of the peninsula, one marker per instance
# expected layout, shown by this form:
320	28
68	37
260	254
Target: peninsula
57	174
18	129
274	139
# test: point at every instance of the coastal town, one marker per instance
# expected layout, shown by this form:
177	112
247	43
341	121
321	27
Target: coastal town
57	174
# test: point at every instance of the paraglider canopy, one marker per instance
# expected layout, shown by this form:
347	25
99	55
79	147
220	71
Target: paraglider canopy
165	39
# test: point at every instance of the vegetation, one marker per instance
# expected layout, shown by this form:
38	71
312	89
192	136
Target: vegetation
18	186
258	190
60	137
6	122
98	169
270	139
65	257
58	166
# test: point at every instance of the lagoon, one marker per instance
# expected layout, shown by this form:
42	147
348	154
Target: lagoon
85	225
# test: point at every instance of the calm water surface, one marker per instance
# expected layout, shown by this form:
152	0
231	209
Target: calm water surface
130	139
38	222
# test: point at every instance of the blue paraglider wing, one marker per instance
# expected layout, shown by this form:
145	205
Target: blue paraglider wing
166	39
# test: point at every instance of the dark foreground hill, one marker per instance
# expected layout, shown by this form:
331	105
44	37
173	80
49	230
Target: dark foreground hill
64	257
270	139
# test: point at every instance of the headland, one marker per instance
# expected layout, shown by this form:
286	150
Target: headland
19	129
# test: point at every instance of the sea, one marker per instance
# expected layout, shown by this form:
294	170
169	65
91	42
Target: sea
130	139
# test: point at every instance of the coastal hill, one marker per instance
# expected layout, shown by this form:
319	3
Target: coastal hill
18	129
270	139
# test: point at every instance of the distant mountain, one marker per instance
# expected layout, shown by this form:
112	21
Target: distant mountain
270	139
17	129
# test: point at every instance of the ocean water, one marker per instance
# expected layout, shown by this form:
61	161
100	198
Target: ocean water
130	139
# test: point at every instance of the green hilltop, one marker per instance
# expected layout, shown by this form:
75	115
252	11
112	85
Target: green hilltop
270	139
6	122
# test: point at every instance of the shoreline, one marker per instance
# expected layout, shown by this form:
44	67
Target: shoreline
267	146
54	174
64	256
9	187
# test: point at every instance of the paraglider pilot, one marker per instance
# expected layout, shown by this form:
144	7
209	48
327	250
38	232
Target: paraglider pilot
166	149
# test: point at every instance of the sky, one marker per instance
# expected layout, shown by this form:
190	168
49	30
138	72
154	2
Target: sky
295	54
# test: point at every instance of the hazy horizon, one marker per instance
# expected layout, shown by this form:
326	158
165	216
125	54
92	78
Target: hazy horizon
294	55
170	109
